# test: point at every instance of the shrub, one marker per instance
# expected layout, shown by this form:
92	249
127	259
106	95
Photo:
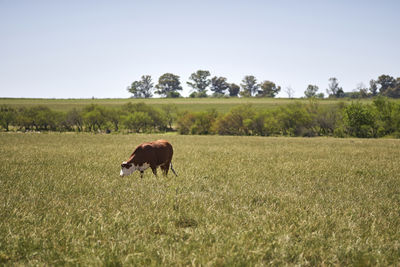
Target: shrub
295	120
327	119
185	122
236	122
360	120
137	122
73	120
203	122
388	114
94	117
159	121
169	114
196	123
265	123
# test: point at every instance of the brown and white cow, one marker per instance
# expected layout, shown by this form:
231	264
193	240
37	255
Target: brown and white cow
153	154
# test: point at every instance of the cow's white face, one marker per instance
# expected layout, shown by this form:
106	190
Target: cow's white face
127	169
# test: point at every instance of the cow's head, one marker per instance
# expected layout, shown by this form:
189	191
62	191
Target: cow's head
127	169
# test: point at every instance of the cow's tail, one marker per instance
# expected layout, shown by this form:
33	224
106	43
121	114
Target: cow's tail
172	169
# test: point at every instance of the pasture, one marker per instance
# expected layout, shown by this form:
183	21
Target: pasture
237	201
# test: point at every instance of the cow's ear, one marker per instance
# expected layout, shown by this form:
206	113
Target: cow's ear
126	165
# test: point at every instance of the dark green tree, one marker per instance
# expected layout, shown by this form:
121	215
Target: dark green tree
200	82
373	88
385	82
219	86
142	88
170	111
268	89
334	90
361	91
360	120
7	116
234	89
311	91
74	120
168	85
249	85
389	86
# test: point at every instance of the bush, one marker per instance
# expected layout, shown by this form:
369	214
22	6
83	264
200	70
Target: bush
185	122
196	123
203	122
159	120
382	118
137	122
201	94
94	118
266	123
295	120
360	120
236	122
388	114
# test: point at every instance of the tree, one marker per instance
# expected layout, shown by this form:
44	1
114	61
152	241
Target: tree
238	121
7	117
137	122
142	88
219	85
373	88
114	116
311	91
333	88
360	120
233	89
389	86
361	91
169	85
268	89
200	82
169	111
395	91
249	85
73	119
289	91
385	82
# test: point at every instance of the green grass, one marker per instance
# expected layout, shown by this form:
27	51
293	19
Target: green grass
237	201
222	105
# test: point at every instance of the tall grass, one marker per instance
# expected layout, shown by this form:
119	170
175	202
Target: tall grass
236	201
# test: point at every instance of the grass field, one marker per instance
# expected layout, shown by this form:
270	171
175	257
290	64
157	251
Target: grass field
222	105
237	201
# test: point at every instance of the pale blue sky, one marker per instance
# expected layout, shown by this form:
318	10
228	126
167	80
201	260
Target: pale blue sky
85	48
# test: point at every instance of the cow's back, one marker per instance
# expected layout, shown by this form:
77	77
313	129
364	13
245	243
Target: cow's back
155	153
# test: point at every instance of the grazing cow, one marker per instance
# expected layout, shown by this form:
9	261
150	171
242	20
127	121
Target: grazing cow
153	154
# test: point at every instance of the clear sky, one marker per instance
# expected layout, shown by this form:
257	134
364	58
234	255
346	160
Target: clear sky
86	48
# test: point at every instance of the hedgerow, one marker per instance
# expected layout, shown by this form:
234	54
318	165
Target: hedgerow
381	118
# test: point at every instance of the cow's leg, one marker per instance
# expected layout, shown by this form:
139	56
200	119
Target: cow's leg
154	169
165	168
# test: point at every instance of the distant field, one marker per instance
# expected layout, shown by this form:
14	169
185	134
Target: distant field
220	104
237	201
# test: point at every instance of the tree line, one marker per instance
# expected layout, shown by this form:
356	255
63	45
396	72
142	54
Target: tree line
200	82
378	119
